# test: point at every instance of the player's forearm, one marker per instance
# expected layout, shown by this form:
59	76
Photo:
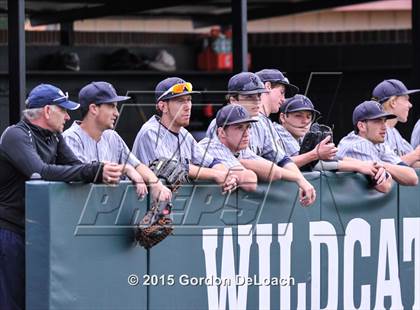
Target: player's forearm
411	158
349	165
292	173
264	169
247	179
202	173
303	159
268	171
147	174
133	174
402	174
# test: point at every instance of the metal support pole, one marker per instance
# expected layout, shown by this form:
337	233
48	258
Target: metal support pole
67	34
240	36
415	54
17	69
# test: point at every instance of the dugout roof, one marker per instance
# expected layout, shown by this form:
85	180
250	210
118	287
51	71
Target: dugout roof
202	12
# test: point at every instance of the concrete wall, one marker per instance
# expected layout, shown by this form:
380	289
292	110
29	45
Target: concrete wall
353	247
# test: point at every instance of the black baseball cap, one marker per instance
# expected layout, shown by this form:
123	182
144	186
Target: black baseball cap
98	93
298	103
233	114
163	89
369	110
388	88
276	76
47	94
246	83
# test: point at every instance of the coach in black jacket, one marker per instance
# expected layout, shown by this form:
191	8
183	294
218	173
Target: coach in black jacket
34	146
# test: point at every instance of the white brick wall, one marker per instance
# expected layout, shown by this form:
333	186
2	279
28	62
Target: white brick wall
307	22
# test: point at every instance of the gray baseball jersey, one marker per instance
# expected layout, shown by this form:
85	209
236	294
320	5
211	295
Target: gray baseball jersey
290	145
155	141
397	143
263	142
355	146
217	149
111	147
415	136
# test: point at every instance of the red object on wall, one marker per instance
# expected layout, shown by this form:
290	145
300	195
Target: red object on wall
208	111
211	61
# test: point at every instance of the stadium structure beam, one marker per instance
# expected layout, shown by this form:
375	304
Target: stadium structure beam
415	20
117	8
239	36
67	34
264	10
16	55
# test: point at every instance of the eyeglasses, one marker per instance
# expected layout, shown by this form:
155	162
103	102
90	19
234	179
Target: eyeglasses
177	89
62	98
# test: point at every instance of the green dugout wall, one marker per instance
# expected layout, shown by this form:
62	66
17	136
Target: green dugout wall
354	248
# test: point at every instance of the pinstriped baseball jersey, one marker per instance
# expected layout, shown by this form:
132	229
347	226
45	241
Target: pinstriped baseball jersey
290	145
110	147
415	136
397	143
154	141
355	146
262	142
217	149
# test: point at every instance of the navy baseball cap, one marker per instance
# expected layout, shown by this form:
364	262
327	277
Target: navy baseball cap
298	103
246	83
47	94
276	76
233	114
173	87
369	110
388	88
98	93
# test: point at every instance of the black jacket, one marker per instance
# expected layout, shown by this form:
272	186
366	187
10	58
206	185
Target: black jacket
26	149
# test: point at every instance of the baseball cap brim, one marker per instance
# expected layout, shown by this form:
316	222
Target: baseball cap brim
69	105
411	91
250	92
408	92
114	99
291	89
241	121
171	96
304	109
385	114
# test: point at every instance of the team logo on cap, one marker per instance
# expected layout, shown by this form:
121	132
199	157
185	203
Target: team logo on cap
241	113
60	92
254	81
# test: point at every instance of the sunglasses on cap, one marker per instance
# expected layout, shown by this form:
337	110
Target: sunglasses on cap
177	89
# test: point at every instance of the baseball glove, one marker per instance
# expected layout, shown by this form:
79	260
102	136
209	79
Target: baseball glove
171	171
312	138
155	225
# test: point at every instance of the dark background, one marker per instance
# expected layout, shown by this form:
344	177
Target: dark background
345	68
